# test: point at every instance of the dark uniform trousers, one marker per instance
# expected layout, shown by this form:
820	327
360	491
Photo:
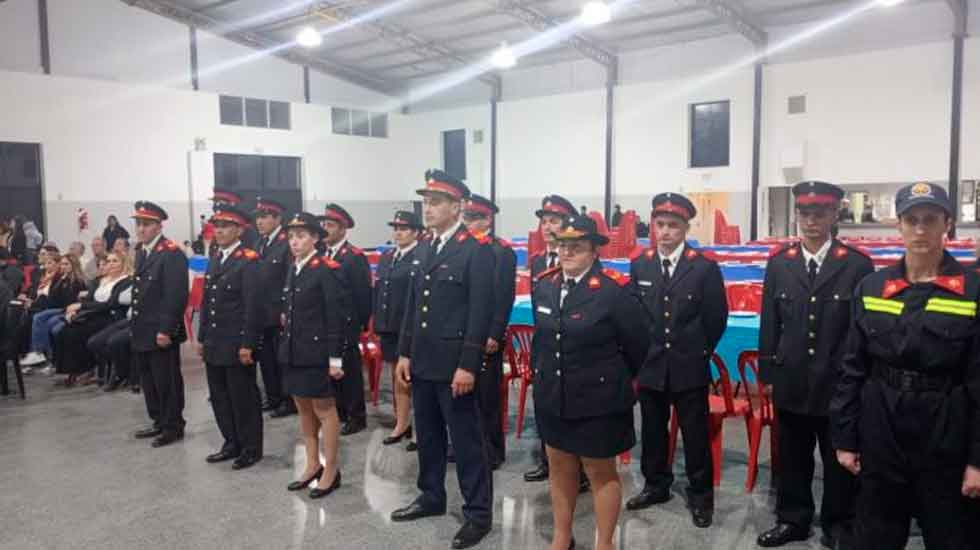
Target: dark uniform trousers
357	272
160	294
111	344
803	329
492	368
232	315
688	315
448	313
237	406
273	267
906	400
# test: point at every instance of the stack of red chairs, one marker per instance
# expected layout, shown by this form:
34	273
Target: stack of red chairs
760	414
622	239
194	300
724	233
535	244
517	350
722	404
744	297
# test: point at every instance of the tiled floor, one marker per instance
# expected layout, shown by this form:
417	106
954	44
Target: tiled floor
71	477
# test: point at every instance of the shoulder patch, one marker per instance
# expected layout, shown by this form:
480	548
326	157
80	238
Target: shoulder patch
547	272
594	283
790	249
617	277
893	287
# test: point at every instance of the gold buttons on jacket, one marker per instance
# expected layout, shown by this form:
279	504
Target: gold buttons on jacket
667	345
813	299
811	351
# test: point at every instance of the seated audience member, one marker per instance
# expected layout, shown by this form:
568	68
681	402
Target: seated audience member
10	273
67	283
121	246
87	317
113	232
77	249
90	268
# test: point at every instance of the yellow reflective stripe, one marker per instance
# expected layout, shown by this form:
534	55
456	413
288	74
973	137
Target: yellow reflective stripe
958	304
953	307
882	305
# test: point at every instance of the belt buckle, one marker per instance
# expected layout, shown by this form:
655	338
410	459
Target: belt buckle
907	381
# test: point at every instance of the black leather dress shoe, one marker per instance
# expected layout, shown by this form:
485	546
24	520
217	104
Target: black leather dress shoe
392	439
701	518
304	483
470	534
246	459
351	427
317	492
286	408
647	498
415	511
781	535
538	474
412	447
166	438
222	455
147	433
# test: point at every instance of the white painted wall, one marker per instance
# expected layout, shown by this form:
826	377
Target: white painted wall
229	68
970	152
881	116
106	145
19	46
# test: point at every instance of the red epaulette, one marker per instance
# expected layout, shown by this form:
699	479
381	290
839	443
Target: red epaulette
547	272
249	254
166	244
331	264
617	277
790	249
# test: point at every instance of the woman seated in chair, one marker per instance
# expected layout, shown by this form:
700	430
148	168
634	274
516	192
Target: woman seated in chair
100	308
58	287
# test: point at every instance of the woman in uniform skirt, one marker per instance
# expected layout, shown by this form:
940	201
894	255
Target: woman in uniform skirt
316	330
590	339
392	286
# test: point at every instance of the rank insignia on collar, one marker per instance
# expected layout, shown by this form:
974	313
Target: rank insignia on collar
893	287
462	236
315	262
650	253
238	253
793	252
952	283
281	237
691	253
577	316
594	283
840	252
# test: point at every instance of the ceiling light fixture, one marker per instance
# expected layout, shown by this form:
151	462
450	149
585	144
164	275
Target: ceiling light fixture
503	57
309	37
595	13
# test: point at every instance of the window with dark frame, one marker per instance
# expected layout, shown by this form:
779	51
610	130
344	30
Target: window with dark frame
360	123
379	125
279	115
340	119
256	172
354	122
256	113
20	181
710	138
232	110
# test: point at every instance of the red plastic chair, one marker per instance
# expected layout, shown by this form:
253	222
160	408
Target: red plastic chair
371	359
744	297
761	413
28	271
194	300
518	352
721	405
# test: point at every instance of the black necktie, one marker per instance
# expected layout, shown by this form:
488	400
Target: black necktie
398	256
263	242
552	259
812	264
666	272
567	285
436	243
141	256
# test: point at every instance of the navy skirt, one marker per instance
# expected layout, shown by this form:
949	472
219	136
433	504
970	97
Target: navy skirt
309	382
598	437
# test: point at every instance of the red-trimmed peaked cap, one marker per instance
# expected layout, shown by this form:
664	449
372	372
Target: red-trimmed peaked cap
437	181
223	194
674	203
146	210
229	213
481	205
556	204
335	212
817	193
268	206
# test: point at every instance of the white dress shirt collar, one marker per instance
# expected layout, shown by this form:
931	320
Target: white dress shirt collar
819	256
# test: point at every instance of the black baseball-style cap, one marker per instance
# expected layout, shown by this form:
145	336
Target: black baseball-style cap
922	193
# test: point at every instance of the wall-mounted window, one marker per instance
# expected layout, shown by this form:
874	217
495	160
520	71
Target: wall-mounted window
710	134
254	113
353	122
